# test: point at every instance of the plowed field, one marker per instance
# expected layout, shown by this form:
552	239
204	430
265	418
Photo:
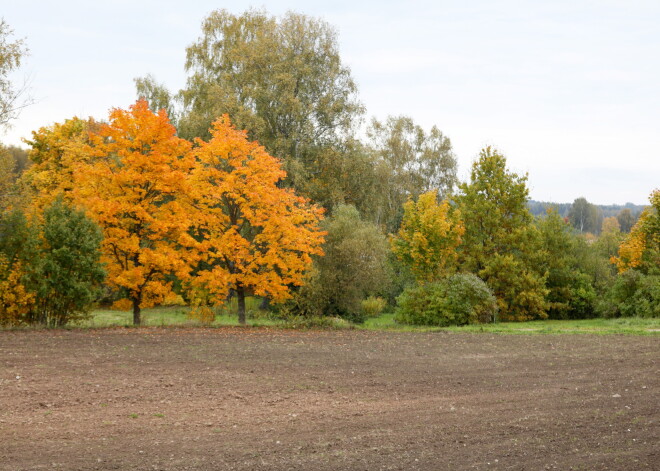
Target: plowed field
259	399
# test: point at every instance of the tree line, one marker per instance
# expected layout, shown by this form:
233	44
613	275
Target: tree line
170	200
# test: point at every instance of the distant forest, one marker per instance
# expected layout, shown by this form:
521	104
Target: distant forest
539	208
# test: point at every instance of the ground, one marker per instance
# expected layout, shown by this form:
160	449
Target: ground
272	399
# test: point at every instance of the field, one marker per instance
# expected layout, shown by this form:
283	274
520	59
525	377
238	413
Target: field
261	398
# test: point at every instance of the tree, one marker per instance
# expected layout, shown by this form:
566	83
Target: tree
570	291
16	301
610	224
66	277
7	177
135	186
346	174
429	236
256	237
607	244
158	97
641	248
280	78
626	219
636	291
354	265
500	244
49	268
585	217
18	248
12	99
55	152
412	162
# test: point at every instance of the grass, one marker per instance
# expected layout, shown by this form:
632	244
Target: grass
226	316
629	325
178	316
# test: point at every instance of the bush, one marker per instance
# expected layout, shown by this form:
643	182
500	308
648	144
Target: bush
634	294
373	306
353	268
202	314
458	300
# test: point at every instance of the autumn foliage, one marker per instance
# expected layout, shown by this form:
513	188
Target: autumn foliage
133	189
256	237
205	220
429	236
643	242
210	216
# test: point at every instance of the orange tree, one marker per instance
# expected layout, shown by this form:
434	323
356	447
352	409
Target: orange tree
134	186
255	236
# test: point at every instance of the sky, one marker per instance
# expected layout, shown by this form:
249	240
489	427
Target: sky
568	91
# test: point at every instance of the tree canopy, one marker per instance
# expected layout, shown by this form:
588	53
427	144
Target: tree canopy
12	53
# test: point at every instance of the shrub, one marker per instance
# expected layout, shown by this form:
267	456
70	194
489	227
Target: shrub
354	267
202	314
634	294
69	272
373	306
458	300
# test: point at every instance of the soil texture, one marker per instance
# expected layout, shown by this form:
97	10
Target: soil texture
261	399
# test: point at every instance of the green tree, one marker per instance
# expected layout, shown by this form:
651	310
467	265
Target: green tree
354	267
282	79
585	217
411	162
570	291
626	219
634	293
500	242
12	99
158	97
18	242
346	174
49	270
68	274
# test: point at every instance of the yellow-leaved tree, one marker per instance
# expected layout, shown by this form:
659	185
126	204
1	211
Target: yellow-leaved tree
55	153
135	185
428	238
255	236
641	248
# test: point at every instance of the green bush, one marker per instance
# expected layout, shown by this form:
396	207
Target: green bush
634	294
458	300
354	267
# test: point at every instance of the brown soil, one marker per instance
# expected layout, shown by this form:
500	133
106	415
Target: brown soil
250	399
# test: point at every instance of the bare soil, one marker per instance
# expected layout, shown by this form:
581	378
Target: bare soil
259	399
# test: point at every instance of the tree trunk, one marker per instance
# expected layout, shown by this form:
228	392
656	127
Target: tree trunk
265	304
240	294
136	311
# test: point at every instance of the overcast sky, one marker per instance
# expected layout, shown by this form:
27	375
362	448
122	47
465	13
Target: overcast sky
569	90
